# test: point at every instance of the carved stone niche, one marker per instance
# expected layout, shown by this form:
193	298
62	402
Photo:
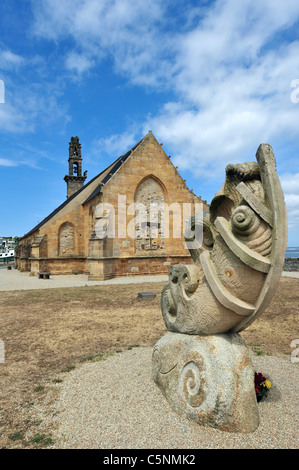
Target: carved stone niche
234	276
149	230
67	239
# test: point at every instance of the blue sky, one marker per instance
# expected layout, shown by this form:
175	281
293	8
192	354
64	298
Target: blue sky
211	79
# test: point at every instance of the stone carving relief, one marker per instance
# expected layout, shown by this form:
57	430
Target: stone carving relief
150	230
202	365
66	239
237	269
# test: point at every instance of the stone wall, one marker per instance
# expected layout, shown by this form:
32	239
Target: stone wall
291	264
118	267
147	176
71	265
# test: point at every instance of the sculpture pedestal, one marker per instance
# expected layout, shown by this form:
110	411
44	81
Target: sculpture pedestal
208	379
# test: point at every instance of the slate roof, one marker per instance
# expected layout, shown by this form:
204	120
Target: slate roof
107	175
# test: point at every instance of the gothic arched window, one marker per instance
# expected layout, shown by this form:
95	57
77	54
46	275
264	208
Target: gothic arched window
150	228
66	239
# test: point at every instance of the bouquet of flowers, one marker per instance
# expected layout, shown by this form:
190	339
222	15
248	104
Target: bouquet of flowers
262	385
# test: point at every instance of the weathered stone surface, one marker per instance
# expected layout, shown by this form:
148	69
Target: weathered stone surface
145	174
208	379
66	239
237	269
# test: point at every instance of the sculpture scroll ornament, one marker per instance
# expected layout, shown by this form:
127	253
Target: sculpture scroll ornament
202	365
237	268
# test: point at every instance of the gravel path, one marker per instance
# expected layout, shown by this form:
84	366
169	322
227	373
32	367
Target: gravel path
15	280
114	404
290	274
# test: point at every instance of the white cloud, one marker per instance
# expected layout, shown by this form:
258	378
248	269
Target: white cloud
78	63
9	60
293	216
229	75
292	200
12	119
109	21
6	162
116	144
233	86
30	105
290	183
31	99
290	186
125	30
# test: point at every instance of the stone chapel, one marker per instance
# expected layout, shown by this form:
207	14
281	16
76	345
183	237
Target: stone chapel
88	232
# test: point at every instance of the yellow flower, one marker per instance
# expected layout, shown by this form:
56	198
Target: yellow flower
267	383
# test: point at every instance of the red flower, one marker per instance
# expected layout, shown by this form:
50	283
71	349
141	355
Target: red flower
259	378
259	387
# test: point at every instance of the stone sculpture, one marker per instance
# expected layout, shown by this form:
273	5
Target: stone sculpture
202	365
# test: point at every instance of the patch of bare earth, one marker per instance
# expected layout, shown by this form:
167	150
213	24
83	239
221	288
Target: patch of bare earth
49	331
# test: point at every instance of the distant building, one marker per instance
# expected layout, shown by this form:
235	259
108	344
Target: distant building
75	237
7	243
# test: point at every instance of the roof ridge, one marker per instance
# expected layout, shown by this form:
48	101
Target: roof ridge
94	193
116	165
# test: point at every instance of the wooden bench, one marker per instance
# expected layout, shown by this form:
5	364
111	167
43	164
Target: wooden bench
43	275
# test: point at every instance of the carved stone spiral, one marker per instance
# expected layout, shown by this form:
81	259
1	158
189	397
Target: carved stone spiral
252	230
244	221
191	384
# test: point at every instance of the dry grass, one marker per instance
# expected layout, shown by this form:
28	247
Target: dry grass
49	331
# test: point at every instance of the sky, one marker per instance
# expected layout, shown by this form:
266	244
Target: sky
211	79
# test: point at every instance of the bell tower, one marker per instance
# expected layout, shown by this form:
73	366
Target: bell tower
74	179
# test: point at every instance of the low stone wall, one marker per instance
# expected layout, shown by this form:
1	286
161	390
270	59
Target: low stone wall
144	265
108	268
69	265
291	264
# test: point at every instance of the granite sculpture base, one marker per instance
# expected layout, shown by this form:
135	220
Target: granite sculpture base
208	379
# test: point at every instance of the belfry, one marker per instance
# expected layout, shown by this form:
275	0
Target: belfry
74	179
